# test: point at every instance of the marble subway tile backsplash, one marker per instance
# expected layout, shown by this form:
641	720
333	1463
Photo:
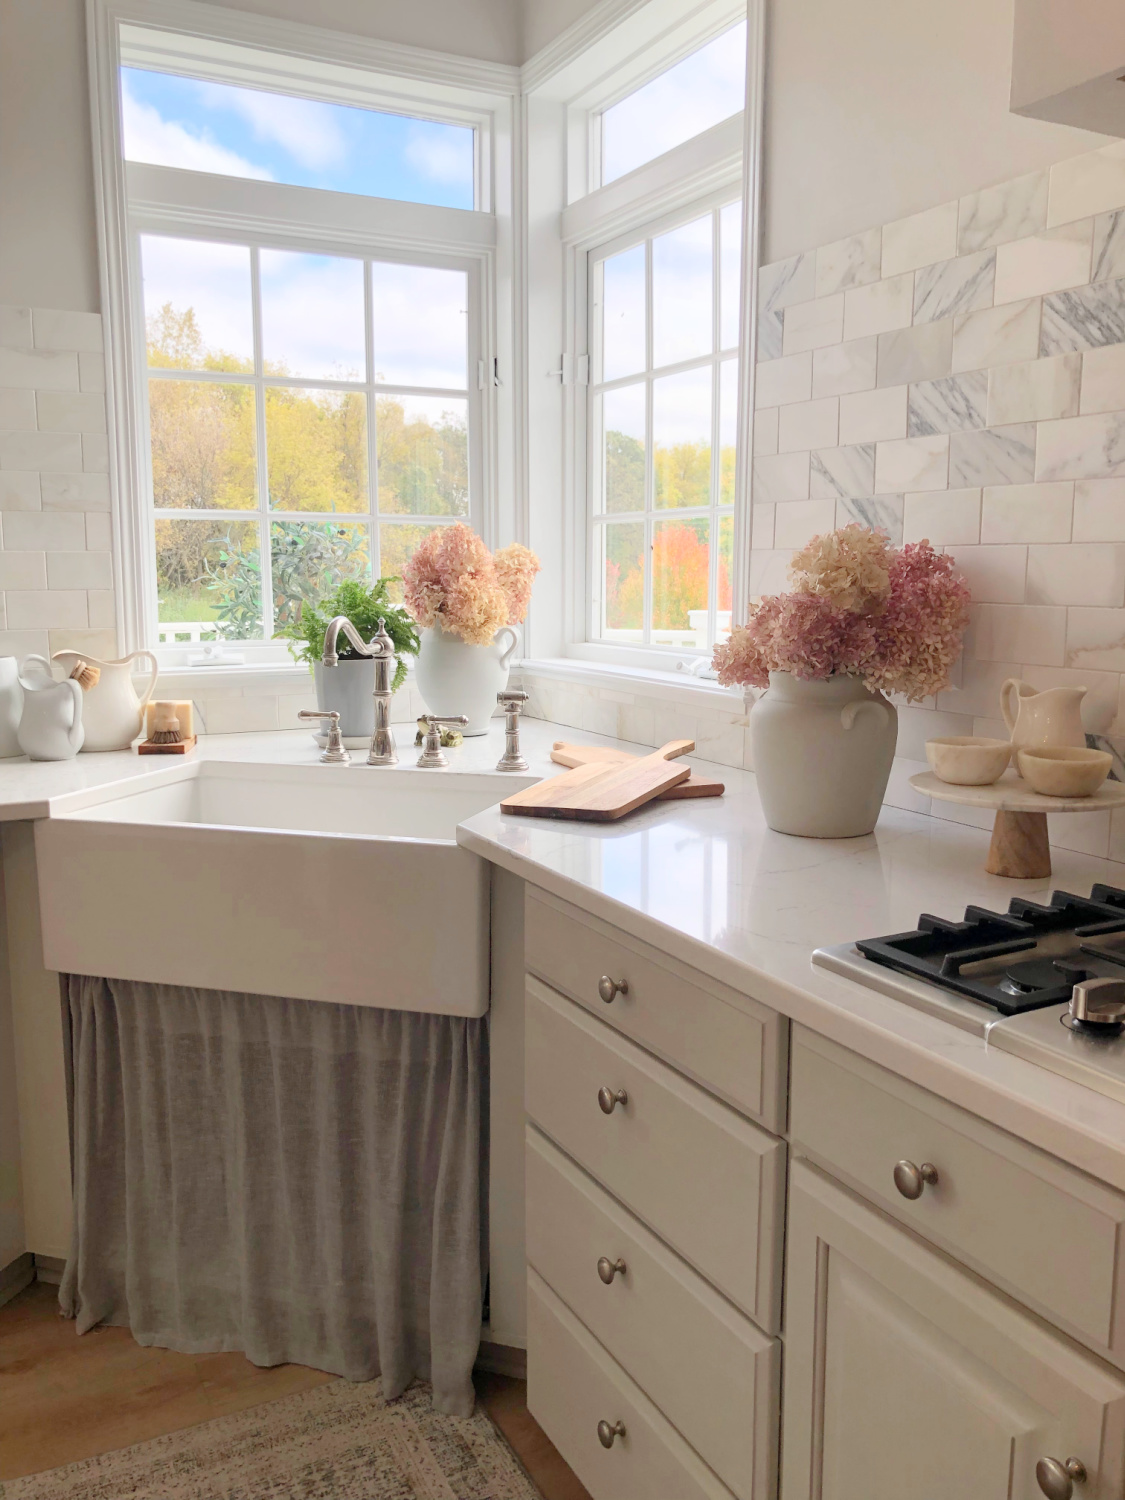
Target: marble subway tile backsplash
979	369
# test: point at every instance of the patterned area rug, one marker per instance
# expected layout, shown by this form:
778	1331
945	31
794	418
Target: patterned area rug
337	1442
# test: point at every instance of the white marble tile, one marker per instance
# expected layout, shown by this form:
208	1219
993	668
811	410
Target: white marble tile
771	334
954	286
809	424
52	609
879	307
17	411
944	517
854	261
920	240
19	491
873	416
1035	391
75	492
1088	184
79	570
812	325
1045	262
1095	638
1103	380
1031	633
38	370
1027	513
779	478
769	572
1109	247
25	570
49	452
1089	573
996	335
921	353
1086	318
761	526
999	455
784	282
95	453
839	473
15	326
978	692
843	368
1082	448
1099	510
955	404
55	328
796	522
1010	211
765	429
70	411
780	381
917	724
91	370
99	531
920	463
876	512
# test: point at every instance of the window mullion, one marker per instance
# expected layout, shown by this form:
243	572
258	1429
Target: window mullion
713	539
375	541
264	553
650	465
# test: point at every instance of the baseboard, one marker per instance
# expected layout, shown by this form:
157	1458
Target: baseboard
15	1276
49	1268
502	1359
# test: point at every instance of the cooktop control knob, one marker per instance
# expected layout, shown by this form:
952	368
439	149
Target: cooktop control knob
1097	1004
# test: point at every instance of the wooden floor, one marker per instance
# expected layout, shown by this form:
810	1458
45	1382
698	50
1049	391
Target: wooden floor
63	1398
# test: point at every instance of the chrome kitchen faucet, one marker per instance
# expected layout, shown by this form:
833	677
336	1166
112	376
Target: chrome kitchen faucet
382	652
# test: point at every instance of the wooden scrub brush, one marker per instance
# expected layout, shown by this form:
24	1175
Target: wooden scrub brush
85	675
166	731
165	726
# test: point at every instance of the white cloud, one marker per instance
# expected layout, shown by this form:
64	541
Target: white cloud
441	157
312	314
163	143
420	315
308	130
212	279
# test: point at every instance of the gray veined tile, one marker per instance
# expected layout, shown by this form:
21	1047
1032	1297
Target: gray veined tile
954	286
956	404
910	354
1090	447
840	473
787	281
1006	212
997	455
1086	317
771	329
854	261
1109	246
876	512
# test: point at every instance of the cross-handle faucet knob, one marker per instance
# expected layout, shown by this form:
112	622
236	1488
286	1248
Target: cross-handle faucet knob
1098	1003
432	754
512	702
333	753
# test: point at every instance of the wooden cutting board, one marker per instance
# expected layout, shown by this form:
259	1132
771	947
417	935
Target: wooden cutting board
603	791
564	754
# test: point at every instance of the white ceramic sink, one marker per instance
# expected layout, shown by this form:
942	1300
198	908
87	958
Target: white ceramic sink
318	882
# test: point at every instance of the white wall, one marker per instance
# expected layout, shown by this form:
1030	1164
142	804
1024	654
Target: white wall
12	1240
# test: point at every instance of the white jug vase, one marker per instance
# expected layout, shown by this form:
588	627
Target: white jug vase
1050	717
454	677
11	705
51	722
113	713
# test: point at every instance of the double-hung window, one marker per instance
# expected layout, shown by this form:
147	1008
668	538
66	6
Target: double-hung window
304	265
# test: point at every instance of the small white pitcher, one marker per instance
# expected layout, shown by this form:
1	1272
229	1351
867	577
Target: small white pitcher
1037	719
51	722
114	714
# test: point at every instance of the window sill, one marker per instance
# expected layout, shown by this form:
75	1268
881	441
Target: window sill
668	687
265	679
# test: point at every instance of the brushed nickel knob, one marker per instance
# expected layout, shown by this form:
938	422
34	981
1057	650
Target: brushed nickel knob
606	1433
608	1269
609	989
1057	1480
911	1180
609	1099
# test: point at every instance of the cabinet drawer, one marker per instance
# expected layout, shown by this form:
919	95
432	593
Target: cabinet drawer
699	1174
573	1384
1035	1227
708	1369
727	1041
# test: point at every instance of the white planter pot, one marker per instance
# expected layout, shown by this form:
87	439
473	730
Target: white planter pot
347	687
456	678
822	755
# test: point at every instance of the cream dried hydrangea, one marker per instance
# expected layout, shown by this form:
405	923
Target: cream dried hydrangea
851	567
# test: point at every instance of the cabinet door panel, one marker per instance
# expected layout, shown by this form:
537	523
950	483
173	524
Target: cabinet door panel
904	1376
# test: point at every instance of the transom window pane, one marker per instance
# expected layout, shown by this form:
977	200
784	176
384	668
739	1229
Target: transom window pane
173	121
698	92
663	419
280	465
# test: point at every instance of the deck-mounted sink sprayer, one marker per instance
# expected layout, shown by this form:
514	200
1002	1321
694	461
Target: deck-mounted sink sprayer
382	752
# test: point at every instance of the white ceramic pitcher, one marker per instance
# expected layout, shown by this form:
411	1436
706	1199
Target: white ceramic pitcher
456	678
51	722
11	705
113	713
1052	716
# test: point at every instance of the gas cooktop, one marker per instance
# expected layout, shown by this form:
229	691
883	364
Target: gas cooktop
1044	982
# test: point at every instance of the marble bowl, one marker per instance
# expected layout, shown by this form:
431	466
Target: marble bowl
968	760
1064	770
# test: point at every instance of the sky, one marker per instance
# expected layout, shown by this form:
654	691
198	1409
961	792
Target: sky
171	121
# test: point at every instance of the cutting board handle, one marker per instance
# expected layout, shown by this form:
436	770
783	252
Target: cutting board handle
674	748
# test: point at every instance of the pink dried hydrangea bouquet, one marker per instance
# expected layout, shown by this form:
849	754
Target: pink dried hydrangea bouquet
464	597
863	617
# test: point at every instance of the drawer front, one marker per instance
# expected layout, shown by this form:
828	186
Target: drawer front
573	1384
702	1177
708	1369
1030	1224
730	1043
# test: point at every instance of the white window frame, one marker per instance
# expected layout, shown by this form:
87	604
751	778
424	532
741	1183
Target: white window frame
185	36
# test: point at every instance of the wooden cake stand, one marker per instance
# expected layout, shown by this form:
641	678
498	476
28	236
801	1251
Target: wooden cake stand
1019	847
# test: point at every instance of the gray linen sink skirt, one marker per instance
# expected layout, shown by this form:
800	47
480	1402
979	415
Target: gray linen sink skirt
299	1181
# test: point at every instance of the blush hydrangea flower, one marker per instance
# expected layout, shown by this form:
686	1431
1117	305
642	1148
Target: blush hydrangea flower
516	568
453	582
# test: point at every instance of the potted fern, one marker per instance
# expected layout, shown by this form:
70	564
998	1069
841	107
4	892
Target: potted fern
347	687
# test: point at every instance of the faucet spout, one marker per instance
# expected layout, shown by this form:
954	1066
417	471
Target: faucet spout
329	656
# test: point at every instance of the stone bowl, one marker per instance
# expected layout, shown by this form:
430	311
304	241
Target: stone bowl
968	760
1064	770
